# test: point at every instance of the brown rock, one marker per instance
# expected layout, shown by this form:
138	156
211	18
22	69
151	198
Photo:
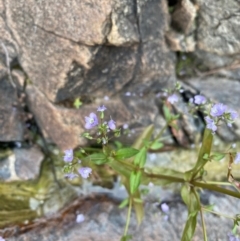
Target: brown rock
64	126
28	163
183	16
11	114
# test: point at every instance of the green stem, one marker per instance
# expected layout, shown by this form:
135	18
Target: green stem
203	225
161	132
196	183
216	189
128	216
216	213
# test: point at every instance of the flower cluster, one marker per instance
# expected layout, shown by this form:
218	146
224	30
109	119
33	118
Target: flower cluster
220	111
232	237
92	119
69	158
103	127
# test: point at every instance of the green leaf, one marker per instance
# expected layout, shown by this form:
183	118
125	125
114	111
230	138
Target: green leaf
77	103
120	168
124	203
118	144
167	113
140	158
204	150
98	158
135	179
191	199
189	228
125	153
205	156
137	200
156	145
217	156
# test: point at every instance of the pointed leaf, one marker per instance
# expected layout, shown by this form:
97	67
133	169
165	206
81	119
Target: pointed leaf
135	179
98	158
167	113
125	153
124	203
217	156
140	158
156	145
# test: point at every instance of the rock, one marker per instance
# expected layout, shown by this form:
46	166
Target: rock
103	219
64	126
28	163
11	113
180	42
218	25
77	57
225	66
21	165
183	16
124	29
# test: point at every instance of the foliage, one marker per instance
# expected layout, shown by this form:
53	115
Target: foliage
129	162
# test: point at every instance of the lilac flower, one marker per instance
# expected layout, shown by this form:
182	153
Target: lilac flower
232	237
210	124
165	207
199	100
68	155
172	98
70	176
101	108
91	121
80	218
85	171
237	158
233	114
2	239
125	126
112	124
128	94
218	110
106	98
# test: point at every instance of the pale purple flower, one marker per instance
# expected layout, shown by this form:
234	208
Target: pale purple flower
112	124
2	239
80	218
125	126
85	171
233	114
237	158
210	124
232	237
165	207
106	98
91	121
101	108
128	94
218	110
199	100
172	98
70	176
68	155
